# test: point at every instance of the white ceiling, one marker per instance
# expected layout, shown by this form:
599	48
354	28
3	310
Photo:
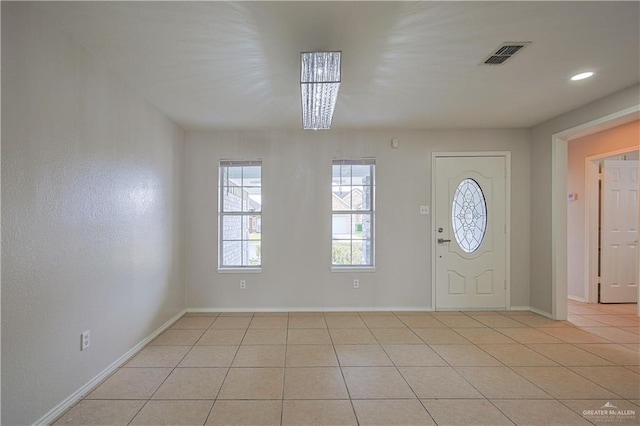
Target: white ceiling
407	65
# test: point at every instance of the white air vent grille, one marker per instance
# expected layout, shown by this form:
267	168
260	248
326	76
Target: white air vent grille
504	52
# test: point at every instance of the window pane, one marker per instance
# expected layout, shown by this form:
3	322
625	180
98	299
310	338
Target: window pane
233	176
354	198
345	175
340	200
335	175
341	225
356	226
254	253
361	175
357	256
232	253
253	225
341	252
252	197
367	252
252	176
364	199
231	227
231	199
366	223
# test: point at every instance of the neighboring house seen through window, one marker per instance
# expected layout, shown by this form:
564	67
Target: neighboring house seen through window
352	199
240	214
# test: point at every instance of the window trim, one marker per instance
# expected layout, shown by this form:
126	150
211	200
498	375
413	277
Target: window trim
364	161
222	214
353	268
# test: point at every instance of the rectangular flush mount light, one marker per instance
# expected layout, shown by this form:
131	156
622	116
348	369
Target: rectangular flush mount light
319	85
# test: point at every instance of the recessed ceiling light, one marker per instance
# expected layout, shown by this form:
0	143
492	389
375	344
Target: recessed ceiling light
582	76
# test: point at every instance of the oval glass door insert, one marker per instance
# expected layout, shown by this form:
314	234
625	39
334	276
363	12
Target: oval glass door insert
469	215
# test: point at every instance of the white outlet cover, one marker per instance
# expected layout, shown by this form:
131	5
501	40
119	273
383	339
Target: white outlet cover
85	340
424	209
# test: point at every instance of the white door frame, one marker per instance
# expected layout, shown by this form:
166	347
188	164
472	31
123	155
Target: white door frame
559	200
507	157
591	209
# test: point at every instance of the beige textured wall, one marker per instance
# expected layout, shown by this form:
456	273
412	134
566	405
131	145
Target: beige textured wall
297	222
91	216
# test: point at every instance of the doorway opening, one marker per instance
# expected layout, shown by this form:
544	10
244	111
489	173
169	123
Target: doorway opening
594	206
559	167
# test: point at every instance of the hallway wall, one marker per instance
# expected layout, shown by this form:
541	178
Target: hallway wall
625	136
542	244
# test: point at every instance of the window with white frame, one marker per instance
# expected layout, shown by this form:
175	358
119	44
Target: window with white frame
240	214
352	201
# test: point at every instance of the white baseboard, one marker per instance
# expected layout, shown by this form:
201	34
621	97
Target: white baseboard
351	309
472	309
54	413
540	312
577	299
519	308
316	309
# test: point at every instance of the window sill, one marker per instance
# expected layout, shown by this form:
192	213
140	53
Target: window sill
239	270
353	269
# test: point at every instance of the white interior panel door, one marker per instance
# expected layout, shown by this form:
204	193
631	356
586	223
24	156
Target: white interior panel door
470	217
619	239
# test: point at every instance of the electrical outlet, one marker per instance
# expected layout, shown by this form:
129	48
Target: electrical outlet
243	284
84	340
356	283
424	209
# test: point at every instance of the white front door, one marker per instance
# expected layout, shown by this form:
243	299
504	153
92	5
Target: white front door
619	254
470	231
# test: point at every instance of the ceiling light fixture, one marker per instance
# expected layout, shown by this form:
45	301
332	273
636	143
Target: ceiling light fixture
582	76
319	85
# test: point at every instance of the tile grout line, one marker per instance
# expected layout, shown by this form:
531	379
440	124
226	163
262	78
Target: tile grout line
510	368
405	379
228	369
597	384
454	368
344	380
284	370
560	365
172	369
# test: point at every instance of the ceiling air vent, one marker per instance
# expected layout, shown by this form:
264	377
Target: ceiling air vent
504	52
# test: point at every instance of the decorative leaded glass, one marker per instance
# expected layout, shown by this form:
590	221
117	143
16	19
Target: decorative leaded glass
469	215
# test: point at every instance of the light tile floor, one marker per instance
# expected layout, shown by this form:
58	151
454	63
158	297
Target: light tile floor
379	368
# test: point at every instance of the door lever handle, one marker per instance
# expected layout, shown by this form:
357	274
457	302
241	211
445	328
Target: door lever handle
442	241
